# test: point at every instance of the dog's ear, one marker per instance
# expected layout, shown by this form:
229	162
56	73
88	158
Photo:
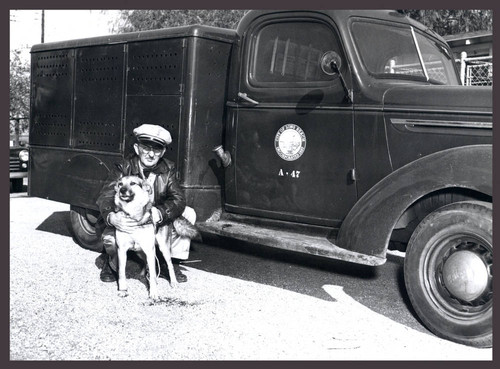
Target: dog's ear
124	171
147	186
116	188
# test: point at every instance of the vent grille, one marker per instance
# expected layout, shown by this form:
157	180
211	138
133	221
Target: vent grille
155	68
53	65
51	119
98	98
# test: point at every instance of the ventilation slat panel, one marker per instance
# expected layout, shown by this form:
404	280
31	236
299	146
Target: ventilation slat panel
51	112
98	98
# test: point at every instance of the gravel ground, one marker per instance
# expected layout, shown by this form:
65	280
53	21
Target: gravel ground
60	310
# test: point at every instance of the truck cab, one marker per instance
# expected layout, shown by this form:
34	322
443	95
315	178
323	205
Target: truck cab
335	133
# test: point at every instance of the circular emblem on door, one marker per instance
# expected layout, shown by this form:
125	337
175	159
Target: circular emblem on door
290	142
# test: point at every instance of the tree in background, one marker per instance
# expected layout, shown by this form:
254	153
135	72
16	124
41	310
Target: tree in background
19	94
443	22
142	20
450	22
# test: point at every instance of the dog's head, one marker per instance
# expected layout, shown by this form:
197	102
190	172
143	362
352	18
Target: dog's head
128	187
132	195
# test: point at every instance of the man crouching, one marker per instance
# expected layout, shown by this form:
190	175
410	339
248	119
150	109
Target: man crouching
168	199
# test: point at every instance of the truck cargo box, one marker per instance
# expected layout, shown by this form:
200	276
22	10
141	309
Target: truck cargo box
107	86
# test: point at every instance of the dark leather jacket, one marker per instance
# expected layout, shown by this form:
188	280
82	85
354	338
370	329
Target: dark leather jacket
168	195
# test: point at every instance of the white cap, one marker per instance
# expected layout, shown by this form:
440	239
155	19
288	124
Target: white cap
152	133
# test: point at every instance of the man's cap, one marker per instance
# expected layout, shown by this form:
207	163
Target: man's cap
153	134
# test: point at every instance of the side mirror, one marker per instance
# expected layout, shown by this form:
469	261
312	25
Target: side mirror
330	63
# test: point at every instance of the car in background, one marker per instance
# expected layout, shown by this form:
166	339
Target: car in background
19	164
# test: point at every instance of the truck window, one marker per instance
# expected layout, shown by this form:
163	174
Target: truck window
437	61
290	52
389	51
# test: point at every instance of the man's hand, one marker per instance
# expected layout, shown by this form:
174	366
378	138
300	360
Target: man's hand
124	223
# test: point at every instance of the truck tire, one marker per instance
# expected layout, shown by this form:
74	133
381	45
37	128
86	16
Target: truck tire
83	226
448	272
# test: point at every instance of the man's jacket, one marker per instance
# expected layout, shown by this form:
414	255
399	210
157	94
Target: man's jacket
168	196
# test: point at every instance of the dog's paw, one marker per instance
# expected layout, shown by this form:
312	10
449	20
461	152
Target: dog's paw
122	285
123	293
154	296
174	284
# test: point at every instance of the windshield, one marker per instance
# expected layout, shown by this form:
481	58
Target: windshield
389	51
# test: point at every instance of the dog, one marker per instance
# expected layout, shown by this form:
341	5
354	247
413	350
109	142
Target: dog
133	196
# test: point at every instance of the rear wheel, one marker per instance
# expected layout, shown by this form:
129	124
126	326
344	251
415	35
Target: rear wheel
449	271
83	224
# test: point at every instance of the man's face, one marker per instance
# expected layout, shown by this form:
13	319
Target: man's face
148	155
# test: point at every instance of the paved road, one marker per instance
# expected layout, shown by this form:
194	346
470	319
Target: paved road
381	289
241	302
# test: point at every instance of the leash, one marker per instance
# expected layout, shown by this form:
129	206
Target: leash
157	265
155	228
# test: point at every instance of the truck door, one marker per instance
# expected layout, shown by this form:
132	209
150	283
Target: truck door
290	126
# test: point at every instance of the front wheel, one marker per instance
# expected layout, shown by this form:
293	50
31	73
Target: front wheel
448	272
83	225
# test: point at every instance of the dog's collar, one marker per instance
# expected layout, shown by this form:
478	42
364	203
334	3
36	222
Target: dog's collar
150	221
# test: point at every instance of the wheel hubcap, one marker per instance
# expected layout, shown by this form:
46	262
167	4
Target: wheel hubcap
465	275
462	270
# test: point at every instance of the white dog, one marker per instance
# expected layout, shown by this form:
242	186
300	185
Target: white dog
132	197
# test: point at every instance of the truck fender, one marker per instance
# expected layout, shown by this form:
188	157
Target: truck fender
368	226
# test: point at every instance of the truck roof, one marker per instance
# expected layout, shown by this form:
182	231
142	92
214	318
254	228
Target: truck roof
340	17
214	33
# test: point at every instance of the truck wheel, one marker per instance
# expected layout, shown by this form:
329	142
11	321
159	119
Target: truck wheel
83	224
448	272
17	184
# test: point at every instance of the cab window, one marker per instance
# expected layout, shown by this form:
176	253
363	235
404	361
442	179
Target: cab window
437	61
290	52
389	51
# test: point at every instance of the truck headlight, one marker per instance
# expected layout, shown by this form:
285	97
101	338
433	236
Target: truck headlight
24	155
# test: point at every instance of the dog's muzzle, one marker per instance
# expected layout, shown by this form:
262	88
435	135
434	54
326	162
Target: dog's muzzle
126	195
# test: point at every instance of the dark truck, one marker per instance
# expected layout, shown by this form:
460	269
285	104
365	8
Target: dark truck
336	133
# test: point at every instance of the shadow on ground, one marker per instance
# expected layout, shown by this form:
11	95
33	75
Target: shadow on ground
379	288
57	223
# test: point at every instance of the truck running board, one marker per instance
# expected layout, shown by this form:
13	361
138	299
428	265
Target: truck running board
284	239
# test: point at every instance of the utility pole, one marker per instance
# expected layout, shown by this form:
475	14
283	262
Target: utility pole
43	26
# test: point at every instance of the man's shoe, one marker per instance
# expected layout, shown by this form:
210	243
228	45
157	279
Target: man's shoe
107	274
181	277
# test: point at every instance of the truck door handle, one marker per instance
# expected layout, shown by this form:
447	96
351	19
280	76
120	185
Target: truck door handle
245	97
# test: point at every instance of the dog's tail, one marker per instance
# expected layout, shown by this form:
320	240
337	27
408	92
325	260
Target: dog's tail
185	229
